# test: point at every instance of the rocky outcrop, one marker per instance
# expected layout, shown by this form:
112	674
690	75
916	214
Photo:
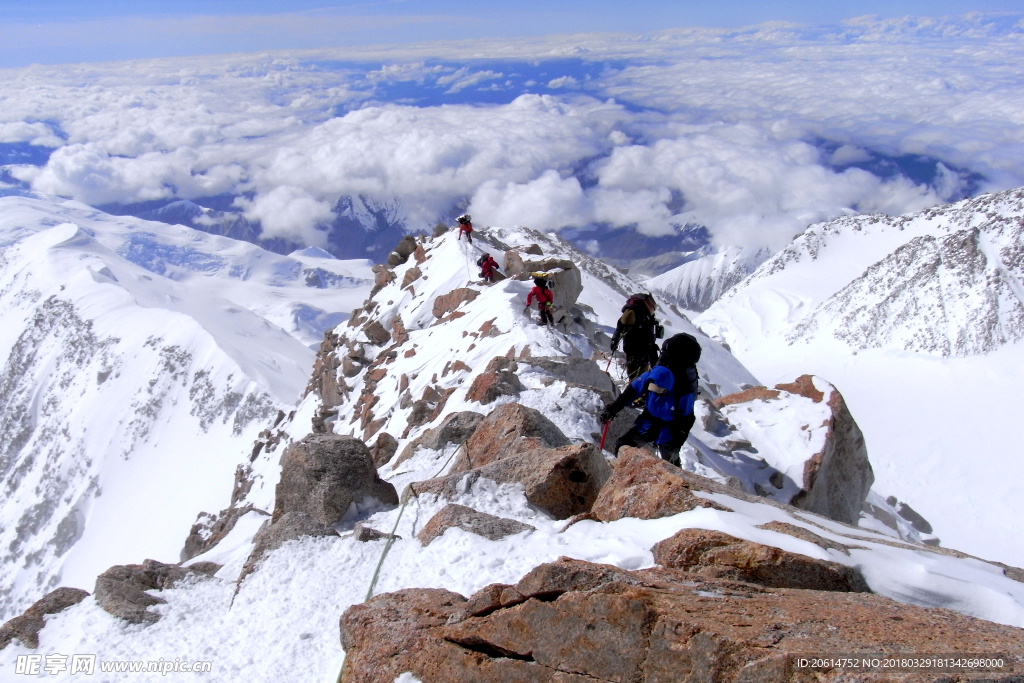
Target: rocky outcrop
446	303
403	250
713	554
25	628
498	379
508	430
384	448
644	486
376	333
209	530
835	479
566	280
455	428
561	481
323	474
468	519
291	526
572	621
121	590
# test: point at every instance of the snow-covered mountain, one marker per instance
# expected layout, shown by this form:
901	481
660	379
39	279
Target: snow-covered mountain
703	279
919	319
139	361
430	343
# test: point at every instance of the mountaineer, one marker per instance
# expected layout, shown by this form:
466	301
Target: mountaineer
638	330
465	227
544	299
487	267
668	392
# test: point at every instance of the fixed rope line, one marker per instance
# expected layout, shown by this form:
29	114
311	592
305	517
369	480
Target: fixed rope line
408	493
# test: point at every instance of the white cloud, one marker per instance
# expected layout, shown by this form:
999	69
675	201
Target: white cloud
726	120
289	212
548	203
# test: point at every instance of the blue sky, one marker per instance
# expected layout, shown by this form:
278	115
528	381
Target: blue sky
53	32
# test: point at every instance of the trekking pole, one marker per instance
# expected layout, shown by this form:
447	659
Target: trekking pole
609	364
604	434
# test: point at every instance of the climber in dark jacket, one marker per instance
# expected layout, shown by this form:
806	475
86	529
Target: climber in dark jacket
669	391
638	330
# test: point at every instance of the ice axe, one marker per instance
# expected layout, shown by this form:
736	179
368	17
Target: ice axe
604	434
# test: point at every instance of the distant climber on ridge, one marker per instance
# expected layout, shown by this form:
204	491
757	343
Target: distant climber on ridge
544	299
668	391
638	330
465	227
487	267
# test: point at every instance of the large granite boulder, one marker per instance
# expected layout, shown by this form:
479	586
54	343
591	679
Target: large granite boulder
561	481
575	622
324	474
829	463
508	430
26	627
644	486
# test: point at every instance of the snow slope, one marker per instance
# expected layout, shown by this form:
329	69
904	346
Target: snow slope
137	363
919	320
282	624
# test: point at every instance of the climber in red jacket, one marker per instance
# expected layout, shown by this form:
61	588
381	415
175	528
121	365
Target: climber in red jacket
544	300
487	267
465	227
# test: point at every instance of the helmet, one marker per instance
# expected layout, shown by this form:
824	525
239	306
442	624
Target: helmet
485	255
464	218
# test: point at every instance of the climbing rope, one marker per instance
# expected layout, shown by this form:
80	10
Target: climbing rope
408	493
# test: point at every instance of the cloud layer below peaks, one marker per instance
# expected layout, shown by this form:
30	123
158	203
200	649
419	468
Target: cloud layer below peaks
754	133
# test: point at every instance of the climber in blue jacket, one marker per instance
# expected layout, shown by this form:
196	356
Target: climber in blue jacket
667	393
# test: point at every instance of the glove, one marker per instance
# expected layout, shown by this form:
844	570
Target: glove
615	345
606	416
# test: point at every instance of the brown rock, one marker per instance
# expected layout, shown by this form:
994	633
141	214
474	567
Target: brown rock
383	449
376	333
26	627
419	254
447	303
399	335
508	430
411	275
468	519
645	486
455	428
498	379
714	554
600	623
562	481
382	277
534	249
365	534
323	474
209	530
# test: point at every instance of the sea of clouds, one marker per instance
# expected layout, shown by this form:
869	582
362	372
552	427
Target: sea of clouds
754	133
